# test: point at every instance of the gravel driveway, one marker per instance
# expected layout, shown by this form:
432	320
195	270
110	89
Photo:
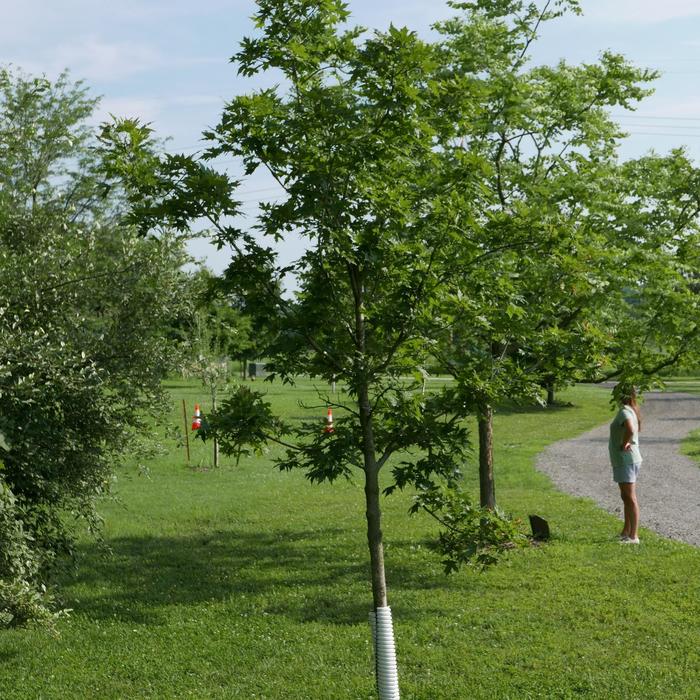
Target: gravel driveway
669	483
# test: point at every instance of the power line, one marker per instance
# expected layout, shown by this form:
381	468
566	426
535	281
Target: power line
654	116
661	126
661	133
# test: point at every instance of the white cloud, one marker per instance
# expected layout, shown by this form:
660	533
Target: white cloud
197	100
91	59
97	60
145	109
71	13
640	11
683	108
98	41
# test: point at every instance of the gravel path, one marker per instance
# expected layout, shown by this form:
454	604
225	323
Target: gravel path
668	487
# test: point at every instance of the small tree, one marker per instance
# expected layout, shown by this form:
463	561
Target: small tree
356	141
352	144
523	307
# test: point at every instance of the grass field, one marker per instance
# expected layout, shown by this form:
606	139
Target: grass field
244	582
691	445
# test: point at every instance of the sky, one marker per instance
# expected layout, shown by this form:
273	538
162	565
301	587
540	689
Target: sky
167	62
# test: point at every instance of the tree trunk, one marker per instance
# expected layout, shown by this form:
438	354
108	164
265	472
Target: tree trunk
369	453
216	442
382	628
550	392
374	540
487	487
373	511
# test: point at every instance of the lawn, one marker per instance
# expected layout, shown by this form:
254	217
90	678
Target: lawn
691	445
244	582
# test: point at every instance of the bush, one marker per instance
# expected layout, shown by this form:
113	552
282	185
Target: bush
22	595
85	304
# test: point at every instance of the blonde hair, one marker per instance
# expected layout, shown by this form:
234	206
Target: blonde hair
628	397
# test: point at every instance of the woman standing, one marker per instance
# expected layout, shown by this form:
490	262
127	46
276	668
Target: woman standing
626	458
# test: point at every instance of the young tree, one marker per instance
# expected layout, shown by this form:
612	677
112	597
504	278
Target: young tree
355	138
549	140
352	144
213	323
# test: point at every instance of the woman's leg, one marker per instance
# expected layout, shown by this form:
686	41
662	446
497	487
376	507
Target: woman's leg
626	528
631	508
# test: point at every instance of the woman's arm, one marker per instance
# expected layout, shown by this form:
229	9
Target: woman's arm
627	436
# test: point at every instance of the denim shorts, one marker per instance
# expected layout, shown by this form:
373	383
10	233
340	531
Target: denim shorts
626	473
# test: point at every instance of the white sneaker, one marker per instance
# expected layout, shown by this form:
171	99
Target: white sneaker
629	540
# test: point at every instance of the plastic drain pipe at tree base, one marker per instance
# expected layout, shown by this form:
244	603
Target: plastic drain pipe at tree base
384	653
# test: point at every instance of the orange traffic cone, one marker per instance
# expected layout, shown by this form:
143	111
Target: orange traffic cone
329	422
197	420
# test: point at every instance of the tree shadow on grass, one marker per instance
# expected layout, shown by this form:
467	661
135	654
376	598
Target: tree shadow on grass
513	409
7	655
145	576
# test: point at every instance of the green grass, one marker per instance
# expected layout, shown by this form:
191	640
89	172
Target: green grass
250	583
690	385
691	445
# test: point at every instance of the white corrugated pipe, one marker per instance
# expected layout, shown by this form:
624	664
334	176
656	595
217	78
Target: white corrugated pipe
384	653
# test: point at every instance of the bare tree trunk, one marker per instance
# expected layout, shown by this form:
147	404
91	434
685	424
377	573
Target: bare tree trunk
374	540
380	619
371	468
216	442
373	512
550	392
487	486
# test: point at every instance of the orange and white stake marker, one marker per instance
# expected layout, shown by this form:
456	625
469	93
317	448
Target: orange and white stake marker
329	422
197	420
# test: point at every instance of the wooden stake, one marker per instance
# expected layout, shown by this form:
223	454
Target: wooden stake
216	442
187	432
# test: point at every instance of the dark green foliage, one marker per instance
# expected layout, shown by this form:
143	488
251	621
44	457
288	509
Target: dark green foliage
82	346
244	418
528	311
22	596
157	187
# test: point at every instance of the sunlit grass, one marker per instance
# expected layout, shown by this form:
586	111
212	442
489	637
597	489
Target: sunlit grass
244	582
691	445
